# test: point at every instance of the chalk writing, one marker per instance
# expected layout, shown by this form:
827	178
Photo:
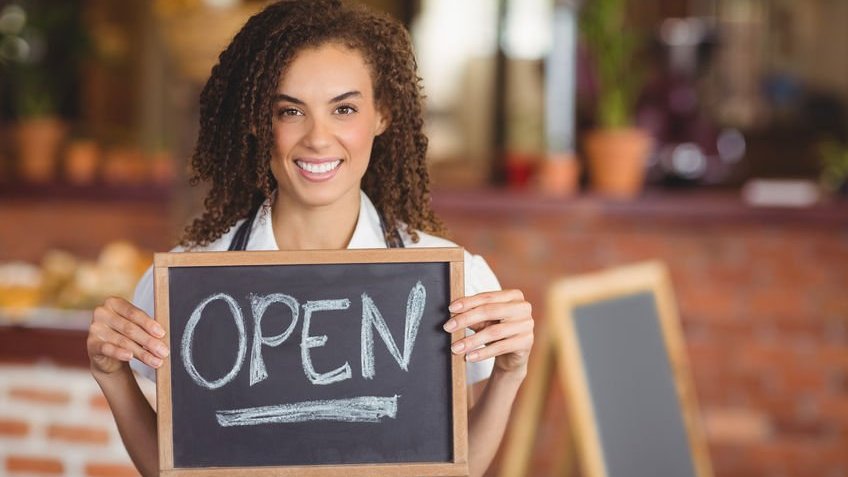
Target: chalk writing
259	305
185	347
371	318
358	409
339	374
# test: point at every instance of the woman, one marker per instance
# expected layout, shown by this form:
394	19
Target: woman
311	138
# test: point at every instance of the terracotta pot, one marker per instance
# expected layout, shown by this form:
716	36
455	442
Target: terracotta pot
162	168
38	148
125	165
81	161
559	175
617	161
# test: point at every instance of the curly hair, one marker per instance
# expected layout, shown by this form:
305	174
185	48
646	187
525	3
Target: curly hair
234	144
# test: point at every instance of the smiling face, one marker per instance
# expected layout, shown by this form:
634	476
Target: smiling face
324	124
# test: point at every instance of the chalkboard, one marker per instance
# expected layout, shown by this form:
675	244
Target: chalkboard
310	363
627	380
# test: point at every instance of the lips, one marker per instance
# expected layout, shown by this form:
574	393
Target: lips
318	170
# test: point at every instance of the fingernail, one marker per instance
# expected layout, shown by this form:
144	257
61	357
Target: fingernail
158	331
455	306
458	346
473	356
156	362
450	325
162	351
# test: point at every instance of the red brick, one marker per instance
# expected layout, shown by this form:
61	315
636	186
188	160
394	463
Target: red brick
99	402
777	301
835	410
40	395
110	470
78	434
709	300
13	428
40	465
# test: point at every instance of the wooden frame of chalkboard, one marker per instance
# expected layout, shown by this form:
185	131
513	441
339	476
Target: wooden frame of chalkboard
565	297
529	411
453	258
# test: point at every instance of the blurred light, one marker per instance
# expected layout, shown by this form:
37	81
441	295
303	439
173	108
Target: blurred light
688	161
221	3
12	20
731	145
14	48
448	34
528	28
682	32
36	46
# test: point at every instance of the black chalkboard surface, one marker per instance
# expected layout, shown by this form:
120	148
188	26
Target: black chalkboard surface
308	363
624	369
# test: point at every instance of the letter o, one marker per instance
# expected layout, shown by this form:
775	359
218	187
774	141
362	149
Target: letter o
188	361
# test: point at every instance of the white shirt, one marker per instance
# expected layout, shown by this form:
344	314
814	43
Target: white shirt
479	277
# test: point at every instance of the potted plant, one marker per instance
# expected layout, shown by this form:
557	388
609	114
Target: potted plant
37	40
615	149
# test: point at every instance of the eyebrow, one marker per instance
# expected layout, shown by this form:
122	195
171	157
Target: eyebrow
336	99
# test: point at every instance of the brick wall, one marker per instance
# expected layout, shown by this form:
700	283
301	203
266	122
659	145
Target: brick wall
763	300
55	421
762	296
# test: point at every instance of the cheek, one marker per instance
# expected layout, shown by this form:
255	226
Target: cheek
282	140
358	138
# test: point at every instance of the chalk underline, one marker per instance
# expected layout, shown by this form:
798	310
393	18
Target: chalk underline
358	409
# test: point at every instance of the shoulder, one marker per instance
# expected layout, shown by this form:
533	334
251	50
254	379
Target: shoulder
479	277
143	296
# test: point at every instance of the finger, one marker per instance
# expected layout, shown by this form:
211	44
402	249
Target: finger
136	315
115	352
135	333
492	334
490	312
516	344
124	345
500	296
96	343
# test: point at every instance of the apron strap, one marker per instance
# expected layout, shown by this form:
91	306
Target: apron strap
242	235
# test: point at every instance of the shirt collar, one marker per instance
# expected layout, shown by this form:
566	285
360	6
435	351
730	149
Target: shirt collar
366	234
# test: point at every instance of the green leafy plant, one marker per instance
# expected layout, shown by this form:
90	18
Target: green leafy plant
605	31
40	44
834	161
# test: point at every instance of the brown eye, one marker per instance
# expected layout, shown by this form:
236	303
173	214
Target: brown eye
345	109
288	112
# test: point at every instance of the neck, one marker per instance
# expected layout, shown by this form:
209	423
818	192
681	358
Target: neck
326	227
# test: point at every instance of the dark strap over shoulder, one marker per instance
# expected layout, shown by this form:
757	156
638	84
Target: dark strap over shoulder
394	240
242	235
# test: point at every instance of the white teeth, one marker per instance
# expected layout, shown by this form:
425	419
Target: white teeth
318	168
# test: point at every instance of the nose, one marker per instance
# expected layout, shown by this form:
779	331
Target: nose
318	134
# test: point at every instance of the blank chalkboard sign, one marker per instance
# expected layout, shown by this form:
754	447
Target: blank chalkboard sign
624	368
310	363
613	338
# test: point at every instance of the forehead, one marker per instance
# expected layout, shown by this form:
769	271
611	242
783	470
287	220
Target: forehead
331	68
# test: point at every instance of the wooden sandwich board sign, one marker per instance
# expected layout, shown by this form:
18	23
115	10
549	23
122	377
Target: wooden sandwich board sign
529	412
330	363
621	360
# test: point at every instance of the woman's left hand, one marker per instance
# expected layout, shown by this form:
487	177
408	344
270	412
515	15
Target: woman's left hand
502	321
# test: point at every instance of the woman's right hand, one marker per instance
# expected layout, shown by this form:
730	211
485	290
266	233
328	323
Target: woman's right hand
120	331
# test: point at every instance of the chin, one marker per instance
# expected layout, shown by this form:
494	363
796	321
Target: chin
319	196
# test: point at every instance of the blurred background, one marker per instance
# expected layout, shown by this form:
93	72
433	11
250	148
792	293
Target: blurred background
566	136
